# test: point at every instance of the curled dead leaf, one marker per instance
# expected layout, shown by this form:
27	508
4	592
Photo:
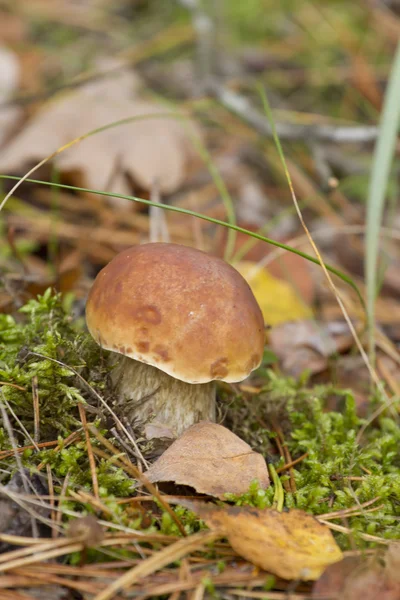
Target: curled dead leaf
291	545
155	149
362	578
212	460
302	345
10	73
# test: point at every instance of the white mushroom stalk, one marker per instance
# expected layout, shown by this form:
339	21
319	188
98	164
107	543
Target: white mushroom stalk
181	319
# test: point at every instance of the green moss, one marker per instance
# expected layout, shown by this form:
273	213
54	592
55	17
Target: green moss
43	342
29	348
338	472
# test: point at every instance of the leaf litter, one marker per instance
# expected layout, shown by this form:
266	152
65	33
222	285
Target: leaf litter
212	460
154	149
291	545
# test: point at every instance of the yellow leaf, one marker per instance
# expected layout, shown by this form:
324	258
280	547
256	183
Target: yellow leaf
278	300
291	545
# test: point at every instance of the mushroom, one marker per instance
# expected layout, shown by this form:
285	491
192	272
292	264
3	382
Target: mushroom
181	319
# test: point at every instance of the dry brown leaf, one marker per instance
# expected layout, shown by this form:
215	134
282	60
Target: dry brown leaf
302	345
212	460
9	81
360	578
291	545
147	151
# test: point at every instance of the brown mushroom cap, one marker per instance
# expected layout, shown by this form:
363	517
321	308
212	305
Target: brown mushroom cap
179	309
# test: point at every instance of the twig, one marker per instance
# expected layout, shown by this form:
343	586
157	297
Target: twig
348	511
158	223
53	514
24	478
36	410
365	536
20	424
140	476
292	464
340	134
92	461
159	560
102	401
7	453
284	450
63	493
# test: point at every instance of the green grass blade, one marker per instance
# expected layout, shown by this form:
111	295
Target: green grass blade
380	173
191	213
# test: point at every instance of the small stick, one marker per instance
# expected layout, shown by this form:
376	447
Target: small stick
53	514
159	560
348	511
283	449
140	476
63	493
92	461
8	453
292	464
36	413
24	478
14	385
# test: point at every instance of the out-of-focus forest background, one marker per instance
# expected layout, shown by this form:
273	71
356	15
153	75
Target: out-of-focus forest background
278	119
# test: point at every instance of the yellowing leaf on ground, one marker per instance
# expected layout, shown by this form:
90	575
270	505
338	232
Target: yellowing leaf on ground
212	460
278	300
291	545
147	152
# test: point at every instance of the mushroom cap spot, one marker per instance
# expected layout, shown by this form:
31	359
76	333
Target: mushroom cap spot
149	314
142	346
219	368
162	352
181	310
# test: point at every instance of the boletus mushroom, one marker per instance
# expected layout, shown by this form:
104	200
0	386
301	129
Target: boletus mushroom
177	320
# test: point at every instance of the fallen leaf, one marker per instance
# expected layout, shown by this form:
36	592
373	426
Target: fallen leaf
9	82
287	266
302	345
362	578
279	302
291	545
148	151
212	460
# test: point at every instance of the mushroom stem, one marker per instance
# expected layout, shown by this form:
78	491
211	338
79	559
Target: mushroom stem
154	401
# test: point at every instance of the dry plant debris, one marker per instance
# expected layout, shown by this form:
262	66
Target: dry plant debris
153	150
291	545
9	81
279	301
212	460
357	578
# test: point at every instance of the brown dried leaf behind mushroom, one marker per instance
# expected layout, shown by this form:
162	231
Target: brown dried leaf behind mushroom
212	460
